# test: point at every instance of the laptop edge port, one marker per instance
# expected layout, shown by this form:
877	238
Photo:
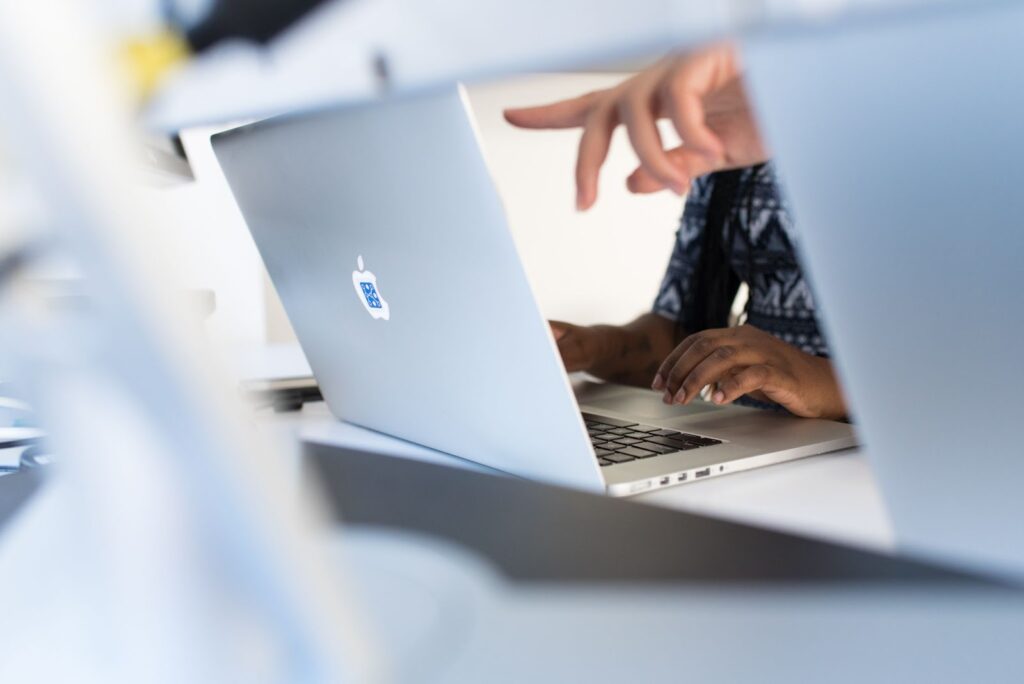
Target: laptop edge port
664	481
702	473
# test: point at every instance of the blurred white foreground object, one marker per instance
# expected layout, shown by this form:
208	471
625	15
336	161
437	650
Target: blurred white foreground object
351	50
900	145
196	561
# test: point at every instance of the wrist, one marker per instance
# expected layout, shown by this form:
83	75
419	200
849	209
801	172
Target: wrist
832	405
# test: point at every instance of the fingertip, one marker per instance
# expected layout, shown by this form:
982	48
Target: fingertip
512	115
585	199
718	397
533	118
587	172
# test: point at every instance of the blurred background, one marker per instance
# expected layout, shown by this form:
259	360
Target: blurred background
534	174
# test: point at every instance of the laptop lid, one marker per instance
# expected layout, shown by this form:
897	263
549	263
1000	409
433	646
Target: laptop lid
388	245
900	146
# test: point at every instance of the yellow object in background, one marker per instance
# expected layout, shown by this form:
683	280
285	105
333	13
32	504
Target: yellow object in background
149	59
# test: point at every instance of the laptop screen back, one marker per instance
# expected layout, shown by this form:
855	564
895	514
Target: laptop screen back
900	147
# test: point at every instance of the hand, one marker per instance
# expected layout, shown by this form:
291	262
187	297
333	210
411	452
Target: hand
701	92
580	347
745	360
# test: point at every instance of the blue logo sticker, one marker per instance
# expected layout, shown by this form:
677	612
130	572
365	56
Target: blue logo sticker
370	292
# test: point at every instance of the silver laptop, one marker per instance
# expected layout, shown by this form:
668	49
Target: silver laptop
387	242
901	145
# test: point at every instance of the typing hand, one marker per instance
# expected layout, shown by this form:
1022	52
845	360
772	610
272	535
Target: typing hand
745	360
579	346
701	92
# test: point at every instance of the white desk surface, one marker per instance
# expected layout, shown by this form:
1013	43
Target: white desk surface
832	497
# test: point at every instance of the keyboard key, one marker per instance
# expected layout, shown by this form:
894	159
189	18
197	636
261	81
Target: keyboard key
677	445
645	428
666	433
658	448
626	441
698	440
602	453
605	462
686	438
635	434
620	458
601	444
633	452
619	431
607	421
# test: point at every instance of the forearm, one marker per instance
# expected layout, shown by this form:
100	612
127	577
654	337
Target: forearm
631	354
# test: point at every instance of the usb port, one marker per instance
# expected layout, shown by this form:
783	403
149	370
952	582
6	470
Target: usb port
681	477
664	480
703	473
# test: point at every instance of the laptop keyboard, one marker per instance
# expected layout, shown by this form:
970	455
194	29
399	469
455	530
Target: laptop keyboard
619	441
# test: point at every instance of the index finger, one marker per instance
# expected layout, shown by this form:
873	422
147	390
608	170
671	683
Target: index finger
569	113
661	378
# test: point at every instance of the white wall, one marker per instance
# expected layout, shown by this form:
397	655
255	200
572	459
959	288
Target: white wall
601	266
604	265
217	251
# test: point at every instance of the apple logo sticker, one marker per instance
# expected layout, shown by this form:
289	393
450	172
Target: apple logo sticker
365	283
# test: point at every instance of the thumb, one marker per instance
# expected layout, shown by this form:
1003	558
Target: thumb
692	163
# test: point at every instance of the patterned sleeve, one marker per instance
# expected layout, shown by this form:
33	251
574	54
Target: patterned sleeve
675	298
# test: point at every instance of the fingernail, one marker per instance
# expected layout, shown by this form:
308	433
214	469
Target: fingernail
679	188
680	396
667	398
659	382
719	397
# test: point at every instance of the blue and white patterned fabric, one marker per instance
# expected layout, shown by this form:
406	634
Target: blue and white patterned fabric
762	255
